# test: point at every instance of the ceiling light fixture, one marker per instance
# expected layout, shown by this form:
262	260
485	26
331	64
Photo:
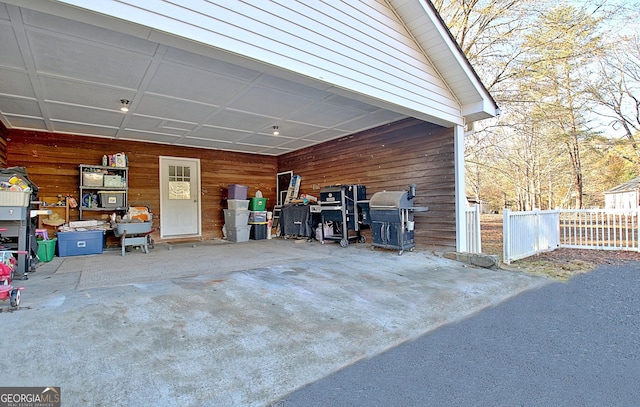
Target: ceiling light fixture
275	130
125	105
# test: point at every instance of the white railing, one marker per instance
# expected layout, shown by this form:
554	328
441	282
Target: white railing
529	233
602	229
474	240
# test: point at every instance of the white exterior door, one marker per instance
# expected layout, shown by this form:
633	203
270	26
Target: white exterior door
179	197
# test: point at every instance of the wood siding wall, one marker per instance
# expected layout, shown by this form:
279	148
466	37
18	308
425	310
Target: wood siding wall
390	158
3	145
52	163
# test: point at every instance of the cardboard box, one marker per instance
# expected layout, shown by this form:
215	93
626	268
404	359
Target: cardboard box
80	243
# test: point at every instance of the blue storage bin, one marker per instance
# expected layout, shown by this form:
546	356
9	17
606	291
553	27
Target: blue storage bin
80	243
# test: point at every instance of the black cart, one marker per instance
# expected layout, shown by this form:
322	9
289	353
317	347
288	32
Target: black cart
346	207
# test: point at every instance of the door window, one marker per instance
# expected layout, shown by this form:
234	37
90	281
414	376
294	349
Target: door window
179	182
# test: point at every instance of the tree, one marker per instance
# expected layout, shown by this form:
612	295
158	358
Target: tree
534	57
617	91
565	40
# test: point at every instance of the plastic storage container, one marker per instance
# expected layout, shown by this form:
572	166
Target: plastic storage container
235	217
238	204
111	199
46	249
238	233
91	179
237	191
16	198
258	204
258	217
258	232
80	243
113	181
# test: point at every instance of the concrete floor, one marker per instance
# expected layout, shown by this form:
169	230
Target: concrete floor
219	323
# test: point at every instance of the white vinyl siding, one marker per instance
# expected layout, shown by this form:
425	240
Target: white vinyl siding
359	47
621	200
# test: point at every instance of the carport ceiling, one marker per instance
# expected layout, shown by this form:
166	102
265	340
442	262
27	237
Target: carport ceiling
64	76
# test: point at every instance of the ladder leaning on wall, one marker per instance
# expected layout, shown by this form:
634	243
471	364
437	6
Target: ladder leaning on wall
292	193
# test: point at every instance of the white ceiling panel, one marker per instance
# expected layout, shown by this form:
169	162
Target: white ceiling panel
270	102
4	15
241	120
161	125
157	137
352	104
170	108
324	114
282	85
17	106
295	144
82	93
83	129
363	122
81	114
16	83
87	61
219	134
325	135
9	48
194	84
196	142
29	123
263	140
209	64
297	130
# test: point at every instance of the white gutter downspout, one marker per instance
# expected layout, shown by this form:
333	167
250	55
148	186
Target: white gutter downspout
461	195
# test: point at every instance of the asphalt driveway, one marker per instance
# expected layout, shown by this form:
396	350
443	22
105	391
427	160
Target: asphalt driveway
564	344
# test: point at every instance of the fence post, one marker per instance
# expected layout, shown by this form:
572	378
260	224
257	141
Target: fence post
506	238
478	237
537	244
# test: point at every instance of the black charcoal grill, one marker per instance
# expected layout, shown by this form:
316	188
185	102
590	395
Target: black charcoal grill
392	224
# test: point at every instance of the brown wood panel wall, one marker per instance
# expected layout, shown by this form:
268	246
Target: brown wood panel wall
52	163
390	158
3	145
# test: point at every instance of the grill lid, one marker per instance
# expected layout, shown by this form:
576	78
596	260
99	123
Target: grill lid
390	200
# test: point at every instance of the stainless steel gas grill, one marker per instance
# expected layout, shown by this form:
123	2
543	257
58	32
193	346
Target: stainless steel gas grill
392	224
345	206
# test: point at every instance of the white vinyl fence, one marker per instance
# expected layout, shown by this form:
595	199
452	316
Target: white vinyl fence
529	233
474	241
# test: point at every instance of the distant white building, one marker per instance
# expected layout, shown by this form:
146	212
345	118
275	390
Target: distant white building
623	196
